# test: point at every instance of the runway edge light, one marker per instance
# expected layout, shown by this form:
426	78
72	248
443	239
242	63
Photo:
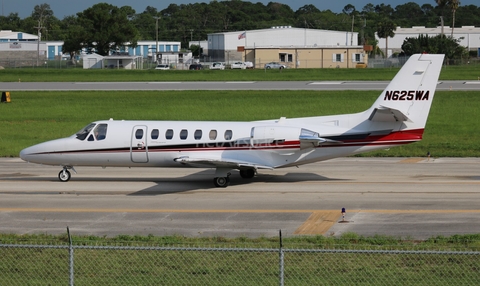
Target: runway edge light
343	216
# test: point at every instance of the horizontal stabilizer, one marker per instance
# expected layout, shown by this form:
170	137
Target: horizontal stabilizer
387	114
310	141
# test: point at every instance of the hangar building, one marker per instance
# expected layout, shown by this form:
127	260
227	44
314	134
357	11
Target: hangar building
469	37
294	47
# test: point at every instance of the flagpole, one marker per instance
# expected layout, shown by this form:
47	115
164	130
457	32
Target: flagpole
245	48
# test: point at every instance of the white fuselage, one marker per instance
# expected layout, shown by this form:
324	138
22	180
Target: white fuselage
148	143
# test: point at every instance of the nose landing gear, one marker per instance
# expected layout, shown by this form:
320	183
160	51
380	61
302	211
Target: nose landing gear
64	175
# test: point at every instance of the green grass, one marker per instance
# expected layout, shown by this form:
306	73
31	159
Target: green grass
208	267
464	72
34	117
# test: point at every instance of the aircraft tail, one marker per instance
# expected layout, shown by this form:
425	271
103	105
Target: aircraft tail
409	95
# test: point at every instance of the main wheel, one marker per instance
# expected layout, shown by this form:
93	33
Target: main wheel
64	176
247	174
221	182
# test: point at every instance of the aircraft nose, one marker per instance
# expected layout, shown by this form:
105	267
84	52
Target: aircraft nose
24	154
28	154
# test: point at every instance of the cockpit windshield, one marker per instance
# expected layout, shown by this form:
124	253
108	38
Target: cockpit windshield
82	134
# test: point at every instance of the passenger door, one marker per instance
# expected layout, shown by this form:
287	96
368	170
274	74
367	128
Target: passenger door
139	147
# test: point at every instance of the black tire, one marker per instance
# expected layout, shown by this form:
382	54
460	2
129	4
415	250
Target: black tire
221	182
64	176
247	173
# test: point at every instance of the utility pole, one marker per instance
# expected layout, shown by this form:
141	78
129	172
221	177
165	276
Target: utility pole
441	23
39	33
353	23
156	44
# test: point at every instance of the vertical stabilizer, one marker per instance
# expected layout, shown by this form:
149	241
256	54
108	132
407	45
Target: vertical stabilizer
409	95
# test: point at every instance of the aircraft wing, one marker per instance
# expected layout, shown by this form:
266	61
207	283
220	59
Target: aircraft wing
213	163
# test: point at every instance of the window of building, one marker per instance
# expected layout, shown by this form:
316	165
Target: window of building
338	58
155	134
286	57
356	58
212	135
169	134
198	134
183	134
228	135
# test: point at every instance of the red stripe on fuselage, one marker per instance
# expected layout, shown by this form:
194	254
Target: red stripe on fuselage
394	138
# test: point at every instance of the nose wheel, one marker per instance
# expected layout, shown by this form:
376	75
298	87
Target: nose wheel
64	175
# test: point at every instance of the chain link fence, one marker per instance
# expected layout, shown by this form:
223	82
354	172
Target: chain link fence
84	263
396	62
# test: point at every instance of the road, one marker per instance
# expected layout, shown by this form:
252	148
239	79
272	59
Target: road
405	197
238	85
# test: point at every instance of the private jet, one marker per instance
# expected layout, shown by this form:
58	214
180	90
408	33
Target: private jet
397	117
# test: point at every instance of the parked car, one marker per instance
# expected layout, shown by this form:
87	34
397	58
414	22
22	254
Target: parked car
275	65
238	65
195	67
217	66
162	67
249	65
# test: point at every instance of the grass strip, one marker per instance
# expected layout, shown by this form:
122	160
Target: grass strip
34	117
464	72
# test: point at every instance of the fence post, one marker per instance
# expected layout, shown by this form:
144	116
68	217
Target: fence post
281	262
70	254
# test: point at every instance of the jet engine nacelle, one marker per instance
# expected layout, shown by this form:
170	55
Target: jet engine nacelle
273	134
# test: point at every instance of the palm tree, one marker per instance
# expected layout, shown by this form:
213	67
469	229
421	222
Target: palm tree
453	5
385	29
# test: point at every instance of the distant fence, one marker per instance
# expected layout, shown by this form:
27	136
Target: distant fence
396	62
85	264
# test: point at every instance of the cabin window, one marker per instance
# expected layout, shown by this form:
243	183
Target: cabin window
155	134
228	135
213	134
139	134
169	134
183	134
198	134
100	132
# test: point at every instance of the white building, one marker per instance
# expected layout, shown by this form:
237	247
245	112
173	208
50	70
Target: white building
11	36
52	50
469	36
229	46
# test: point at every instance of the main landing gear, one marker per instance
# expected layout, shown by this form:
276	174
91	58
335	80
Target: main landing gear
247	173
223	179
221	182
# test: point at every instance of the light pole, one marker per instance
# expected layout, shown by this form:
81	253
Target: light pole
156	43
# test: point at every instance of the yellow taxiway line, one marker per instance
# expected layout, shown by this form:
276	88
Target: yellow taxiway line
318	223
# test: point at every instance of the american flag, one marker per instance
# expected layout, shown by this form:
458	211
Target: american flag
242	35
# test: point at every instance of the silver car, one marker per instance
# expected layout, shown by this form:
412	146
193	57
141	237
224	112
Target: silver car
275	65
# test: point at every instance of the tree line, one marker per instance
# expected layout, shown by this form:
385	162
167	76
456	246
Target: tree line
103	24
